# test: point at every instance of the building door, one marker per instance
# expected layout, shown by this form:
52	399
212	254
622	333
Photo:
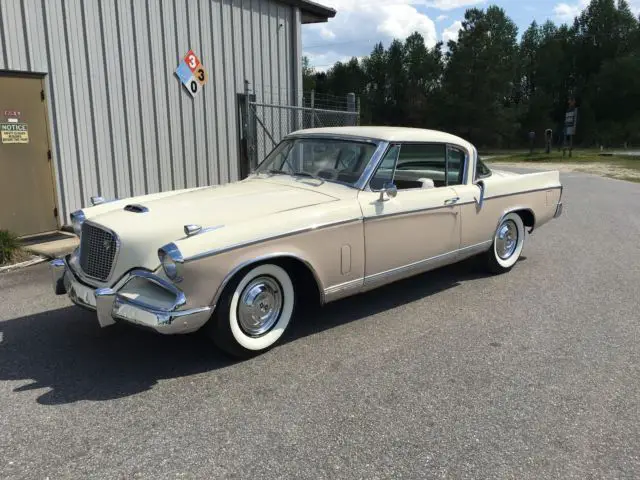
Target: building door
27	200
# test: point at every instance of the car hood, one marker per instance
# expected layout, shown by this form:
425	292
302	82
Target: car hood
144	224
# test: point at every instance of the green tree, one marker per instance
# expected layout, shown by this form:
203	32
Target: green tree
478	98
308	75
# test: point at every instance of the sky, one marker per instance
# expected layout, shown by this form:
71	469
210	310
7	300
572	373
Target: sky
360	24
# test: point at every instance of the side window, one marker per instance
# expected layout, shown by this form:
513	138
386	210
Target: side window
422	160
482	171
384	173
455	158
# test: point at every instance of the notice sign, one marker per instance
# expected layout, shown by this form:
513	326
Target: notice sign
191	73
14	132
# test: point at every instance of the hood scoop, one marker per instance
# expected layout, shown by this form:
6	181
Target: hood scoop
136	208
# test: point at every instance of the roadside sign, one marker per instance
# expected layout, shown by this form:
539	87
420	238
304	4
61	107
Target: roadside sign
570	121
192	73
14	132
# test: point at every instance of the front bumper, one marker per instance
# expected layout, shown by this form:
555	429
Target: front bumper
141	298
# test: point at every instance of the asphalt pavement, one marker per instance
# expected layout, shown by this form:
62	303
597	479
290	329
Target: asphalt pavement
533	374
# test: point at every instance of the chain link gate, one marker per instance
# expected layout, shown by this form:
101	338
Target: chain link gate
267	124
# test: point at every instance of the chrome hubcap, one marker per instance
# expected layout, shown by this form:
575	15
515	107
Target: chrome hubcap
506	239
260	306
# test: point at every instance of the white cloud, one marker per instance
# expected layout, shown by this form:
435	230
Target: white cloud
567	12
440	18
451	32
360	24
448	4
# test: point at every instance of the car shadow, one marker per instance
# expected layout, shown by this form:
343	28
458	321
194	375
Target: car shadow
65	352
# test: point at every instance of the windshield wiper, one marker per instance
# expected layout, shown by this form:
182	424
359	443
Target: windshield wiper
305	174
275	171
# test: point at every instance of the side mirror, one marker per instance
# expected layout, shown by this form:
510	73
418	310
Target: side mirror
480	200
390	190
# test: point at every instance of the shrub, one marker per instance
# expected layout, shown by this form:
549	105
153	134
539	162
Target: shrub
9	245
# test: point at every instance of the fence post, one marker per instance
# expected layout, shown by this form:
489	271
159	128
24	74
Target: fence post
351	106
358	110
313	106
248	138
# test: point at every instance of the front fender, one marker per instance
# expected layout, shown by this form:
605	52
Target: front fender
333	252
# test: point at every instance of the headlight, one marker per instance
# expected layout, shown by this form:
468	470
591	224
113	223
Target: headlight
77	219
171	261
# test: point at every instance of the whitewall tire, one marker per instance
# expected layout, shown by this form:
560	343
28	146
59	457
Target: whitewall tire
508	242
254	311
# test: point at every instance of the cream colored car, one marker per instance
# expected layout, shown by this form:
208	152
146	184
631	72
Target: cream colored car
329	213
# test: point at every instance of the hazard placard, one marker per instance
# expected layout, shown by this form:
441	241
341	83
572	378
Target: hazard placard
192	73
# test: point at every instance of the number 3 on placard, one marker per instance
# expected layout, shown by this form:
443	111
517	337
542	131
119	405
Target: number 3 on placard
192	61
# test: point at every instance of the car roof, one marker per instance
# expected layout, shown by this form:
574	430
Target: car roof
388	134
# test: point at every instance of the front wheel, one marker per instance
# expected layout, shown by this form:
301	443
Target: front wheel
254	311
507	244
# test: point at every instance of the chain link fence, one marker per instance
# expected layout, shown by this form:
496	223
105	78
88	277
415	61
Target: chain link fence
269	123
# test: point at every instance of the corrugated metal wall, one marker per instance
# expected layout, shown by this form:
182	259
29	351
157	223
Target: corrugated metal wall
121	122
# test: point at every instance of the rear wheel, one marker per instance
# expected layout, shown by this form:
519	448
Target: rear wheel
254	311
507	244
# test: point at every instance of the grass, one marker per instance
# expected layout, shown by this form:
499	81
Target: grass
621	167
9	246
627	161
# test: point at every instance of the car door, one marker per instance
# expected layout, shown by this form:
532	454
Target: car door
417	229
478	222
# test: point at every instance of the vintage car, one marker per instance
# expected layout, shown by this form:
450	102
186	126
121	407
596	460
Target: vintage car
329	213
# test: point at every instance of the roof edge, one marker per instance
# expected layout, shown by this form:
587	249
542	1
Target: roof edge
312	12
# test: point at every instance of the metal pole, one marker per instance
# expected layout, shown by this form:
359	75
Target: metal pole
351	107
313	106
358	109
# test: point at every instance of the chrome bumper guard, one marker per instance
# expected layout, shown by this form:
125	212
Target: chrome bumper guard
113	304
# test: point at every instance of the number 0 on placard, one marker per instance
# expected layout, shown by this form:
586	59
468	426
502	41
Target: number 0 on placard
193	86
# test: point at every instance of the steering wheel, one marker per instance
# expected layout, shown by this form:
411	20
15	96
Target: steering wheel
345	159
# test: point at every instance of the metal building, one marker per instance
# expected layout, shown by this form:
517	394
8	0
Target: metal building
90	103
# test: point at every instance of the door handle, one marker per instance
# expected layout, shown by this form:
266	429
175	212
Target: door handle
451	201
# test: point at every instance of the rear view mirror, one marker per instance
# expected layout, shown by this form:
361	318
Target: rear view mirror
390	190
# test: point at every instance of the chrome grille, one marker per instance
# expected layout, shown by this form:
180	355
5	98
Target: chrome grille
97	251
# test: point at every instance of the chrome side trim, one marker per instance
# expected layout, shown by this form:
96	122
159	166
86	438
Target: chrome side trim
449	209
262	258
218	251
342	290
422	265
523	192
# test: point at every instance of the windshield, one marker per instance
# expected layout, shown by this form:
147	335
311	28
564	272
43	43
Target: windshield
334	160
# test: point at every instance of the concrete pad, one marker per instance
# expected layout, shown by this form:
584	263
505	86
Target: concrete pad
55	248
